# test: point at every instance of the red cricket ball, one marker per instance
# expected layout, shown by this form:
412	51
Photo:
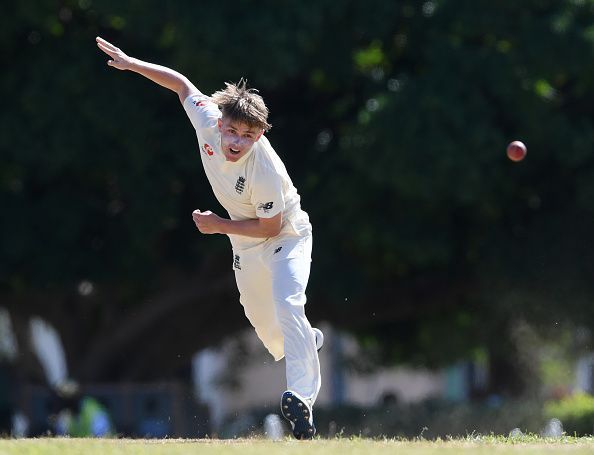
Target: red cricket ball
516	151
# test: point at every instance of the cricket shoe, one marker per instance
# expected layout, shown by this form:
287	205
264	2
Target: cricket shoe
298	412
319	335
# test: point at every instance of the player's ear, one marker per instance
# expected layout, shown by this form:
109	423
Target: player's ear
259	135
219	123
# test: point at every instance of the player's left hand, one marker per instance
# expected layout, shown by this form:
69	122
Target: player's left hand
207	222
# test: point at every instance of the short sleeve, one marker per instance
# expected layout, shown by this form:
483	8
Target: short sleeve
267	195
201	111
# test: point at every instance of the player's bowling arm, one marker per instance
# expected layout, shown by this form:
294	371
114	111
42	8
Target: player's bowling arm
209	223
166	77
260	227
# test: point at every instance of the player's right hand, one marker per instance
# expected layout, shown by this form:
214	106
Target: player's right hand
207	222
120	60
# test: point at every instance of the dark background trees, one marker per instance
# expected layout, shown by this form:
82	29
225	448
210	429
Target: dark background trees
392	118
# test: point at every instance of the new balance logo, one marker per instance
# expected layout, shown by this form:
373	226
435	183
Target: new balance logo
236	264
240	185
267	206
278	249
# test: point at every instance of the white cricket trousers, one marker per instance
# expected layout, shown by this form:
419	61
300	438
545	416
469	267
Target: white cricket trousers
272	278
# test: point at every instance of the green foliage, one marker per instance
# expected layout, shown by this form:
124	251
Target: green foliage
392	118
576	412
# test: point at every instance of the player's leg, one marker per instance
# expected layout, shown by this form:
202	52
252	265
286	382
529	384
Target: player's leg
290	274
289	281
253	281
301	354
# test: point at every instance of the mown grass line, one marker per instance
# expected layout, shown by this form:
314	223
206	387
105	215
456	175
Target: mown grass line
481	445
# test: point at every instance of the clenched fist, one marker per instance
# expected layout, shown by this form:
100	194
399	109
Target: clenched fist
207	222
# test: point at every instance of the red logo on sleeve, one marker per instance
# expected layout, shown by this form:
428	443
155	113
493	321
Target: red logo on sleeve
199	103
208	150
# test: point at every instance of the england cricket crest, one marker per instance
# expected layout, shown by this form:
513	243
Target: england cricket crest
240	184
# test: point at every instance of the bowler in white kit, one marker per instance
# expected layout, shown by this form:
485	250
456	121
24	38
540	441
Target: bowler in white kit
270	234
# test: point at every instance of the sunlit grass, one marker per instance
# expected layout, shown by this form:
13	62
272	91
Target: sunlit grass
472	444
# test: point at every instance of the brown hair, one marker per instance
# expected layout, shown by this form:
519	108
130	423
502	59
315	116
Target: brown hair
242	104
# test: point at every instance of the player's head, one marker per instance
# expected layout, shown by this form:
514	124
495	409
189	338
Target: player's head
244	119
239	103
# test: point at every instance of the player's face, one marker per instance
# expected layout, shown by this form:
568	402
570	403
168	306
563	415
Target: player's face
237	138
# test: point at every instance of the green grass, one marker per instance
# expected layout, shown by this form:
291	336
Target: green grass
341	446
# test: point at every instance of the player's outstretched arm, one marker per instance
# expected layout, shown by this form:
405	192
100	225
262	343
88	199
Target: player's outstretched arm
161	75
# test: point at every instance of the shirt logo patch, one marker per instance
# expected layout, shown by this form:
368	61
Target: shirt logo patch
199	103
266	206
240	185
236	264
208	150
278	249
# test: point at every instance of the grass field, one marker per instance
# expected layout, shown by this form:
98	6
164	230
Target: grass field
481	445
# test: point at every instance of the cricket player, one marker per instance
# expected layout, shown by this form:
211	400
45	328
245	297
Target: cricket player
270	234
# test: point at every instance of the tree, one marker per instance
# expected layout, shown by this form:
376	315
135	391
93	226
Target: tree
392	118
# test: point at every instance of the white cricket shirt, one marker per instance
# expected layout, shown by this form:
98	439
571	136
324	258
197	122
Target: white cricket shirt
255	186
